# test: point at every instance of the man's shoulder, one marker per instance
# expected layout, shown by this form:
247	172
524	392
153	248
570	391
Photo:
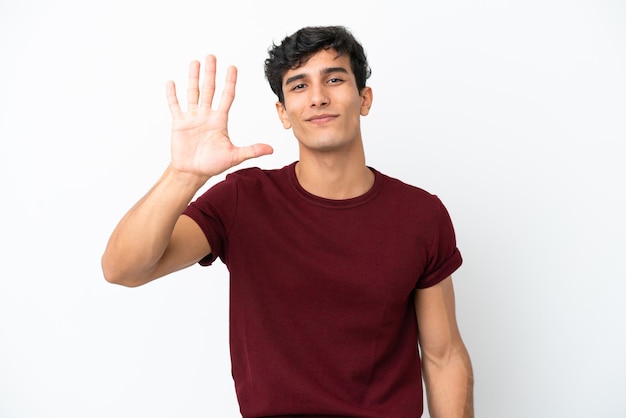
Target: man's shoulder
396	185
256	180
258	173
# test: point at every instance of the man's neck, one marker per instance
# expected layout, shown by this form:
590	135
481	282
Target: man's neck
334	177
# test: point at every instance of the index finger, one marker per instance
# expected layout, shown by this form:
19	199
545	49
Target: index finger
228	94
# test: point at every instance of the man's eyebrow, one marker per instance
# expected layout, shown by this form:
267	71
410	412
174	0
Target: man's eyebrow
328	70
334	70
295	78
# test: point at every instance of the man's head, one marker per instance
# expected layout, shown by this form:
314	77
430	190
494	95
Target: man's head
296	49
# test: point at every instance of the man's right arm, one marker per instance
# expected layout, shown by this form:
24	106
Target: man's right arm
153	239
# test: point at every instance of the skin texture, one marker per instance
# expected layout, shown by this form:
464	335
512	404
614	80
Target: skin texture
323	107
447	368
152	239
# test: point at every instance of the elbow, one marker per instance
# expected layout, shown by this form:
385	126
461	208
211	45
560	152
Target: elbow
111	276
121	280
442	356
115	275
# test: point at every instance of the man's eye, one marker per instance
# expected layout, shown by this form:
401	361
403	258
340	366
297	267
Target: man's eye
298	87
335	80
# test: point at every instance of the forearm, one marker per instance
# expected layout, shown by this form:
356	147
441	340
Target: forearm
449	385
140	239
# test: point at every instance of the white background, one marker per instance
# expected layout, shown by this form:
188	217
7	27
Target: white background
514	113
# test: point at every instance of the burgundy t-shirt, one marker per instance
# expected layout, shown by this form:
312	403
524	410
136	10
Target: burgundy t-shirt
322	319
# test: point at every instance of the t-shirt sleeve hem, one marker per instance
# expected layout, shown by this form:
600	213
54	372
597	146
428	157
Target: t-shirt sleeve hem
451	265
195	214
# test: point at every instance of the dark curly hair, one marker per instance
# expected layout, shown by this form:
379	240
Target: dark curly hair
297	48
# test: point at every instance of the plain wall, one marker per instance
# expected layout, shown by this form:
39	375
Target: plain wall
512	112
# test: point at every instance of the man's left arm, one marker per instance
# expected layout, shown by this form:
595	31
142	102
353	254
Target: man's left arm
445	361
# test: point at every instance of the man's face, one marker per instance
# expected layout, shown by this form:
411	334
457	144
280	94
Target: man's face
322	103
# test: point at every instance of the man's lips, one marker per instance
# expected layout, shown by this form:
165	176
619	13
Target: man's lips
321	118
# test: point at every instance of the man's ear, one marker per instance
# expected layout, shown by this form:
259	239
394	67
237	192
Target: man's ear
282	115
367	96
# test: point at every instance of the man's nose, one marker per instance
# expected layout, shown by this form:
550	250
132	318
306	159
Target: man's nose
319	97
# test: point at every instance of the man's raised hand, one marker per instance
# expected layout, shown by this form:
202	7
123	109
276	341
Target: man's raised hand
200	142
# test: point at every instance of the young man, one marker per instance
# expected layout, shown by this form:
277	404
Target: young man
336	269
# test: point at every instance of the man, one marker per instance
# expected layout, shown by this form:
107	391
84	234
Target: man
334	266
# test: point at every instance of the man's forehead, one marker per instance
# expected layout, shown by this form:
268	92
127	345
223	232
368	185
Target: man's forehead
323	61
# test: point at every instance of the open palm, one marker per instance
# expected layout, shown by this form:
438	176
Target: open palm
200	142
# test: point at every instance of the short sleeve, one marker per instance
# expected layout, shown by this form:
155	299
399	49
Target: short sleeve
443	255
214	212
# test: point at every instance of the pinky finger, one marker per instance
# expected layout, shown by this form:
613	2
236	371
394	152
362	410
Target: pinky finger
172	100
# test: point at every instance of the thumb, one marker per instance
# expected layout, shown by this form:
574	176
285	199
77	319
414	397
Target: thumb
253	151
